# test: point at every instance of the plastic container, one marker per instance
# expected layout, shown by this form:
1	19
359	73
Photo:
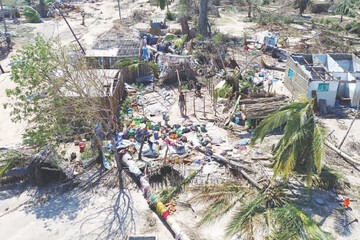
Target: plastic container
203	128
173	136
156	135
179	132
132	132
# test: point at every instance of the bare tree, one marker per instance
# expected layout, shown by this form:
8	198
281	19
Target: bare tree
119	9
203	18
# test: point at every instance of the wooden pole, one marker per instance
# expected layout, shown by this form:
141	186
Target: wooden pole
194	107
77	40
234	164
119	9
3	15
204	107
177	73
341	153
185	103
352	122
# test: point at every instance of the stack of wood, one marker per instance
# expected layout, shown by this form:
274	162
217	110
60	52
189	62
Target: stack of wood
260	108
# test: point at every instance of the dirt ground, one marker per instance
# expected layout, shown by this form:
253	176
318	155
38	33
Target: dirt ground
89	215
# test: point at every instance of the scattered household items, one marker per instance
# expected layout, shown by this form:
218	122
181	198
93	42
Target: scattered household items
82	145
265	38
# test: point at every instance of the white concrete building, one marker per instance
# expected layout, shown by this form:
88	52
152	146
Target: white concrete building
333	78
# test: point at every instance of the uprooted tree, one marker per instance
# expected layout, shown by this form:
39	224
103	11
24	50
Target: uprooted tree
302	147
59	96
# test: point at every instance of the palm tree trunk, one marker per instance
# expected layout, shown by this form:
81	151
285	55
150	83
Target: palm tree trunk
269	222
343	11
119	9
3	15
141	145
249	8
203	18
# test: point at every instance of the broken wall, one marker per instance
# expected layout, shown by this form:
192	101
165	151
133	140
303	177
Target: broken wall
345	61
356	63
354	92
296	80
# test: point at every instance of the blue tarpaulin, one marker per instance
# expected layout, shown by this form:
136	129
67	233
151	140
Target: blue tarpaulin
149	78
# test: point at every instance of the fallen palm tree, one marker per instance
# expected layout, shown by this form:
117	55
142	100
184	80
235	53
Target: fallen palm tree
150	195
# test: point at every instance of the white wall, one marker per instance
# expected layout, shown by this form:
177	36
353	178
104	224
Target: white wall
356	63
333	66
329	96
354	89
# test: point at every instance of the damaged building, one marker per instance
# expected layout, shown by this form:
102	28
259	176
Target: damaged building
333	78
111	47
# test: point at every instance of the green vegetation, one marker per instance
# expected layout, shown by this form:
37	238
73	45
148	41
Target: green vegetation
218	38
301	5
284	220
303	144
350	8
170	16
353	27
329	179
161	4
11	159
31	15
55	96
225	91
269	18
167	194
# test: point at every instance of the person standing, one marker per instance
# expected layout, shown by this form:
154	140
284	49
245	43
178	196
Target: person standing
182	103
8	41
83	17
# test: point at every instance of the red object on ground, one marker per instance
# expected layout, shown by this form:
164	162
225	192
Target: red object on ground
247	48
82	146
346	203
165	215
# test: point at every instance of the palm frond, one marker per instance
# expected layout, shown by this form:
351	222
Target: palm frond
342	218
218	192
219	208
318	146
168	194
241	221
293	224
7	166
275	120
275	196
11	159
297	152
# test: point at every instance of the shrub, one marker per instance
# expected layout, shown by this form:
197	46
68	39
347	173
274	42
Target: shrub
31	15
170	16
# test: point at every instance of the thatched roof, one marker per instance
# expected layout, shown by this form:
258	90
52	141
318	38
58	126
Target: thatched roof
260	108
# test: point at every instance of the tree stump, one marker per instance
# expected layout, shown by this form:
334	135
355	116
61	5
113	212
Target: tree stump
44	168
